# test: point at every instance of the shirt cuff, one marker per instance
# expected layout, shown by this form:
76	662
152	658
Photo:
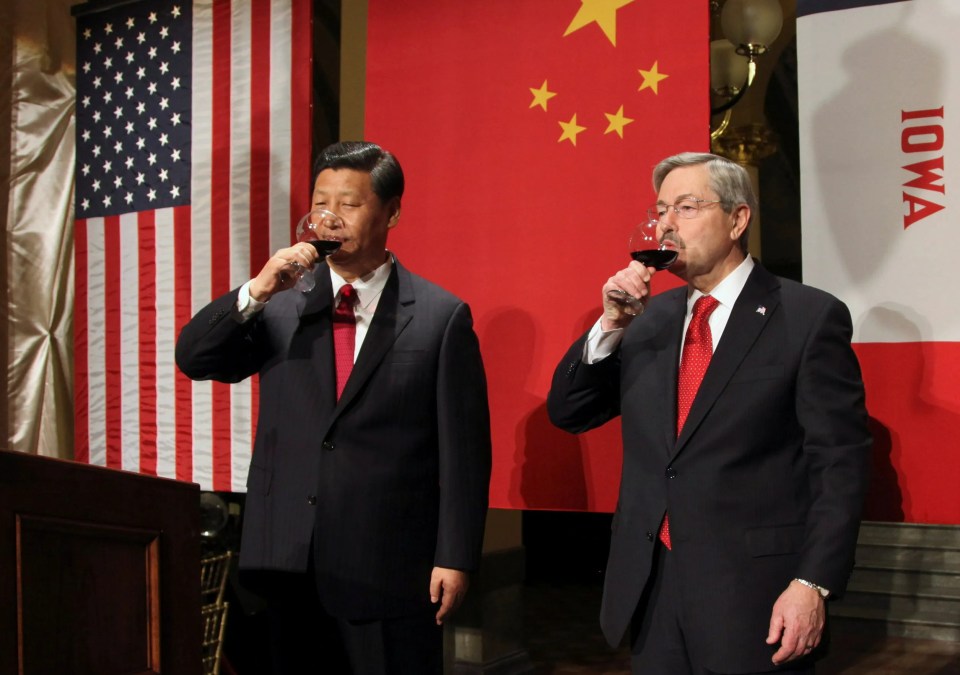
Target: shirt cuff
248	306
601	343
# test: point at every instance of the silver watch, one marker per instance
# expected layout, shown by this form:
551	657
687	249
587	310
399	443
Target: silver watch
819	589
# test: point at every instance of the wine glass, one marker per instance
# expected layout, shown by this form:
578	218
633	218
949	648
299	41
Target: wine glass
309	231
646	250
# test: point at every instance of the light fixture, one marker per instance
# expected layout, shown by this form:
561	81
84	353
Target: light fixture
749	28
751	24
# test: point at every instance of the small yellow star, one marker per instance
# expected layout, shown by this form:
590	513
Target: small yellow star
617	122
604	12
570	130
651	78
541	96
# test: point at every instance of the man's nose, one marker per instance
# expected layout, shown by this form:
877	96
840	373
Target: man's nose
668	223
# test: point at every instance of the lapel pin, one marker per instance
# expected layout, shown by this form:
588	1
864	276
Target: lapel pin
761	310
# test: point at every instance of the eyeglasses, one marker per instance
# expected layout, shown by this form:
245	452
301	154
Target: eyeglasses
685	208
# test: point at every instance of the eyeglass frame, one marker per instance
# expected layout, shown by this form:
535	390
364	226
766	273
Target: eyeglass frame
654	214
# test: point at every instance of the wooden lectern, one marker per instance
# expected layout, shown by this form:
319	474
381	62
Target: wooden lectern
99	570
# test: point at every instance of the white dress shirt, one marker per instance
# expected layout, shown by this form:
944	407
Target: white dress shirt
601	344
368	290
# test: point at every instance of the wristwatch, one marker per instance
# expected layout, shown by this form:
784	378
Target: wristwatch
819	589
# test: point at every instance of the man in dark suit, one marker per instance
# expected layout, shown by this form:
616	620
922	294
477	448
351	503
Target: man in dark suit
365	509
742	486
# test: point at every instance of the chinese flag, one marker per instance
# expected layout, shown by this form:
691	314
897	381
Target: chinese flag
528	130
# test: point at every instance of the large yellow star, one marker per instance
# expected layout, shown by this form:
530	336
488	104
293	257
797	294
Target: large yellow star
651	78
541	95
570	130
604	12
617	122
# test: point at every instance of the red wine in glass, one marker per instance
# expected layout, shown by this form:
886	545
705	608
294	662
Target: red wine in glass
325	246
657	258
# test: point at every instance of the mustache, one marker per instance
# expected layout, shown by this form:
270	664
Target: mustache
672	238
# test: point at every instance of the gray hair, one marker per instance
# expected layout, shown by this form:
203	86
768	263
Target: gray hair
728	179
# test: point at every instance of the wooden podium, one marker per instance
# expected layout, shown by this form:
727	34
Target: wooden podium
99	570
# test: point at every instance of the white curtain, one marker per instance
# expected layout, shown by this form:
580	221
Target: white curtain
37	78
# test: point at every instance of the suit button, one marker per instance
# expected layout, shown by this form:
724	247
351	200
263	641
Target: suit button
328	445
649	536
671	472
311	500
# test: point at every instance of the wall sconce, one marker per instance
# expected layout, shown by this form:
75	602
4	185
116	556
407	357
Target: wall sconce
749	27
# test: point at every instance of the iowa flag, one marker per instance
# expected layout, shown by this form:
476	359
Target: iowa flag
528	130
879	83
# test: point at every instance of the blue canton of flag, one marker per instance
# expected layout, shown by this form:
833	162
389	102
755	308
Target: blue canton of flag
133	108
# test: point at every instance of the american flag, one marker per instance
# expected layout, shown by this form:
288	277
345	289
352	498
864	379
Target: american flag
193	160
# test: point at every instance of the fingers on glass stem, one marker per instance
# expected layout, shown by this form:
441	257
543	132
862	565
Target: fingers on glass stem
631	305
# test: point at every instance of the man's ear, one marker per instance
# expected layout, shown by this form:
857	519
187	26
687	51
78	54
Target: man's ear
741	217
394	207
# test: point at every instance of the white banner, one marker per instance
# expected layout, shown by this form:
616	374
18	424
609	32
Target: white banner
878	85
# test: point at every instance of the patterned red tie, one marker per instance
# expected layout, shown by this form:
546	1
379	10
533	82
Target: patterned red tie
344	336
697	352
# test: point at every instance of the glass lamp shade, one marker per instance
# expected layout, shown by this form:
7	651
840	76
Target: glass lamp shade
728	69
751	22
214	515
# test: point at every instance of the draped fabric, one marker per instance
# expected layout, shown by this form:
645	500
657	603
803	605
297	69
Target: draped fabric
37	77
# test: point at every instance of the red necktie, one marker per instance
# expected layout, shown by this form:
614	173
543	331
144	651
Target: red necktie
697	352
344	336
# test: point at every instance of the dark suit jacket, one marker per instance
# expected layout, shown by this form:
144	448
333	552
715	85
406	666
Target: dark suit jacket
390	481
764	484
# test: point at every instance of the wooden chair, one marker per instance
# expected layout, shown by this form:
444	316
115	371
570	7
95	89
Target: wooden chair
214	572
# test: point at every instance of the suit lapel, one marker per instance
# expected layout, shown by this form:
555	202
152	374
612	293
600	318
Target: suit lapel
320	299
669	364
394	311
756	304
313	335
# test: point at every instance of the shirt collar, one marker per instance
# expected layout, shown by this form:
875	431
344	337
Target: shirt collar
728	290
368	288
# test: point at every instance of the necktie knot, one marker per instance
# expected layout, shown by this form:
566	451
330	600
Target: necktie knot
704	306
347	292
344	310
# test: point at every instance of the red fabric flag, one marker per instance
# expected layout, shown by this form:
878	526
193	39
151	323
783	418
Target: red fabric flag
528	131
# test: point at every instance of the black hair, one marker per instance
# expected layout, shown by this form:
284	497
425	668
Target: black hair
386	176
